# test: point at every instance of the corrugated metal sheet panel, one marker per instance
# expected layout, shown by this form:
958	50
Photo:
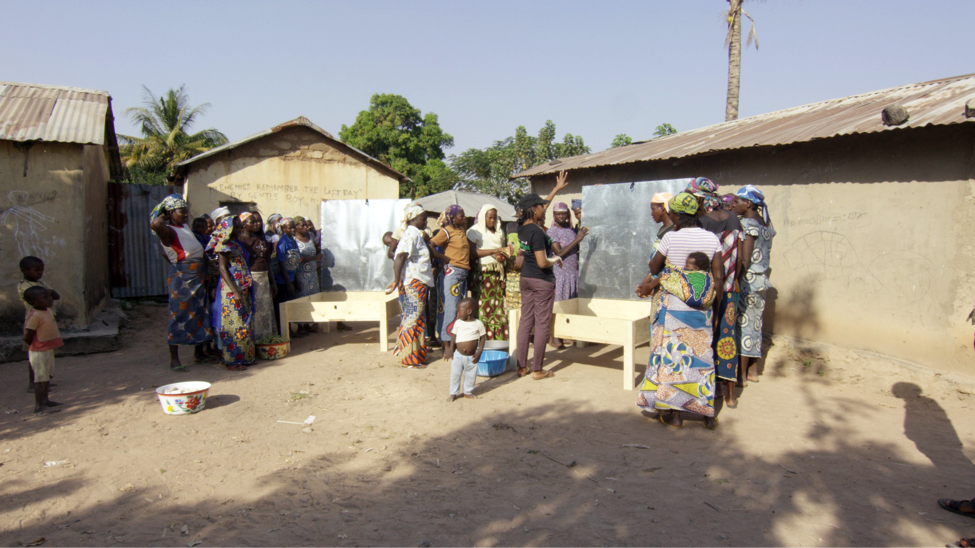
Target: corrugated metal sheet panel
137	269
940	102
30	112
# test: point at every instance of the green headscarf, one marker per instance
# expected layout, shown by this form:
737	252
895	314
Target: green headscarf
684	203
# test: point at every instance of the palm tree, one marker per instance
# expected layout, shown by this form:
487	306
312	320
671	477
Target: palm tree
165	124
733	43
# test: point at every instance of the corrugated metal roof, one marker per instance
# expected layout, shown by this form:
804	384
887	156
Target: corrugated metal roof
31	112
299	121
939	102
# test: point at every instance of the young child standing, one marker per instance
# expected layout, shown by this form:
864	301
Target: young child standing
41	333
467	336
33	270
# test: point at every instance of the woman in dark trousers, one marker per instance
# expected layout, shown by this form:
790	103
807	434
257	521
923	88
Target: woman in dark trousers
537	285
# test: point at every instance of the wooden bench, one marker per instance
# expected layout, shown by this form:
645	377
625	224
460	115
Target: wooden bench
605	321
342	306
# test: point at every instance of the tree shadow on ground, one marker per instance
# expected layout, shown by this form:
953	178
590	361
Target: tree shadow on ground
559	474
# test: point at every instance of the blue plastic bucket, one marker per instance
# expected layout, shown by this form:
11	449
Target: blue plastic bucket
492	363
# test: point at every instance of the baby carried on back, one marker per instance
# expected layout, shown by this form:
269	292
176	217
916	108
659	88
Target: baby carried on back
693	284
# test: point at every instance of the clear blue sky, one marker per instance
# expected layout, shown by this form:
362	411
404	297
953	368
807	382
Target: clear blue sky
595	68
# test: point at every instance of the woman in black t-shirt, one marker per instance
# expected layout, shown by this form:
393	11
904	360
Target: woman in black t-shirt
537	285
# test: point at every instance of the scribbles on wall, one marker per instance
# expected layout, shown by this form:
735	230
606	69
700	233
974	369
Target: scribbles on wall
27	225
826	255
895	279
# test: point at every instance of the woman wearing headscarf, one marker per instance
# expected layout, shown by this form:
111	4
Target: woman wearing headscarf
756	247
287	258
258	253
537	285
660	211
272	236
456	258
565	244
233	307
680	375
307	273
488	240
577	210
413	279
189	319
725	225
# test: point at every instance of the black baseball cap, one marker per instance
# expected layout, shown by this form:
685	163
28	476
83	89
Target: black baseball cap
531	200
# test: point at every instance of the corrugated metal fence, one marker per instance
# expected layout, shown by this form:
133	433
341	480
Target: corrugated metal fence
137	269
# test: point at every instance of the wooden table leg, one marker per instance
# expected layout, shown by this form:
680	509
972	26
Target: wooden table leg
383	329
628	380
514	316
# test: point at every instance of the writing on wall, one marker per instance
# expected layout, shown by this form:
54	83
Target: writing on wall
828	220
296	194
28	226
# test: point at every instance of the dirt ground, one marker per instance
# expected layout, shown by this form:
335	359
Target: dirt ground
832	447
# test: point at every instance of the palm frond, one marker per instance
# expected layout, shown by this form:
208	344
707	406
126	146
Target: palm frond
752	34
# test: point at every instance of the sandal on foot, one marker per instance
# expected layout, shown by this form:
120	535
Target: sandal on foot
547	375
235	367
522	371
730	406
660	417
954	506
713	426
180	369
413	366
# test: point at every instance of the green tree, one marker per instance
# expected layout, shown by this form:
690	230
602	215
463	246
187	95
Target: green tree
165	124
733	43
621	140
399	135
663	130
489	170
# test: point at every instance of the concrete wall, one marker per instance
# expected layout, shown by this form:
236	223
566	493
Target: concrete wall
289	172
874	248
42	214
96	176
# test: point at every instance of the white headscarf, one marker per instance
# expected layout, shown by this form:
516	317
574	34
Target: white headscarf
218	213
410	212
483	237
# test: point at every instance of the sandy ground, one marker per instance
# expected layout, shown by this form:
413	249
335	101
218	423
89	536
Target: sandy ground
828	449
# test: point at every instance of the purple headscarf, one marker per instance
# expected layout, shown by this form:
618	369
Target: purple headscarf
451	212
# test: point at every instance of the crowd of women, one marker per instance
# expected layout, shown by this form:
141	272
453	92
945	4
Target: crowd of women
227	276
697	350
521	264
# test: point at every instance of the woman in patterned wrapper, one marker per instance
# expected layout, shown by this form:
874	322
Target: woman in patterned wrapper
189	318
725	225
680	375
233	307
756	246
307	274
492	250
254	242
414	279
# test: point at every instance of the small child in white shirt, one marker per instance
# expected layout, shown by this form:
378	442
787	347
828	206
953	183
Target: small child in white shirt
466	343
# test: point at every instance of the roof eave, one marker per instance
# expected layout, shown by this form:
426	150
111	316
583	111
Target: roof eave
299	121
